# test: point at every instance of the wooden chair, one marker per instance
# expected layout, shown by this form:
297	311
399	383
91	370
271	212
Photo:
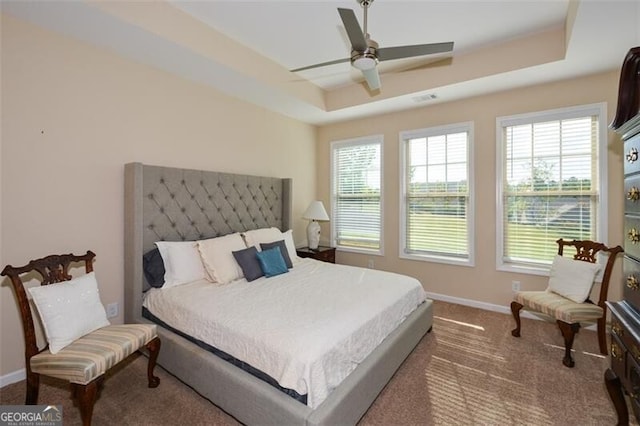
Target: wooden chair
569	314
84	362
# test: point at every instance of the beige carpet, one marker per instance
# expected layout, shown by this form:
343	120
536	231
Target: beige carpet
468	371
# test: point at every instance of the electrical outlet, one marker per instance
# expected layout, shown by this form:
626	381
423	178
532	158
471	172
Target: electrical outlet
370	264
112	310
515	285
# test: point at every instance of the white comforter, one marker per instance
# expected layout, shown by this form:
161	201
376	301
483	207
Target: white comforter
308	328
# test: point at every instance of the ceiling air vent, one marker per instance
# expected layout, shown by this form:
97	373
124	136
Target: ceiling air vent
425	98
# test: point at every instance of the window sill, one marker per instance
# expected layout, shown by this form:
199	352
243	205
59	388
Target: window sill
522	269
438	259
368	252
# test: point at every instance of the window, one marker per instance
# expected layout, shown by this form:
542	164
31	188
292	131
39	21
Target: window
437	206
356	195
551	167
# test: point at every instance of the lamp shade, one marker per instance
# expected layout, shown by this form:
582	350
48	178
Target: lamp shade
316	211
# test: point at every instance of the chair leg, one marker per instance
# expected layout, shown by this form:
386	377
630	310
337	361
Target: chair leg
86	396
154	349
33	388
568	332
515	310
602	335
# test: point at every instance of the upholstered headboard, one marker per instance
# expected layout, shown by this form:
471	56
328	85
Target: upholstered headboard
172	204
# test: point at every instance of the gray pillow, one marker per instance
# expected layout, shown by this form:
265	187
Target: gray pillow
283	251
153	268
248	261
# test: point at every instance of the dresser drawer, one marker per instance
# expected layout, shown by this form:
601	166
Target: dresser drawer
625	358
326	256
632	236
631	155
631	281
624	349
618	353
632	194
633	375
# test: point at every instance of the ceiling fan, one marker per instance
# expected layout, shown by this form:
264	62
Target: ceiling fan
365	53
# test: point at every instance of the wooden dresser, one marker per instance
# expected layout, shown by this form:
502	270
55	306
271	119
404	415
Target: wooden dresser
623	377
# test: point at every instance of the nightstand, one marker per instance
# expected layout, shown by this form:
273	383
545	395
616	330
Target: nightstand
323	253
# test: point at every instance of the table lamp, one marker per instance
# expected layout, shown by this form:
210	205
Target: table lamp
314	213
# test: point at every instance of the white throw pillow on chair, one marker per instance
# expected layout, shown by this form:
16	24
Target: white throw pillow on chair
572	278
69	310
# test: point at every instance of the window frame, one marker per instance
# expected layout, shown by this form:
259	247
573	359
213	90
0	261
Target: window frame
596	109
344	143
404	136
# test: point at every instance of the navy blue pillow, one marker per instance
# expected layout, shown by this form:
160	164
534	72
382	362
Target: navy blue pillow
248	261
283	251
272	262
153	268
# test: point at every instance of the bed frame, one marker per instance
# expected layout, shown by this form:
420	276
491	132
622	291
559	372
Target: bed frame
164	203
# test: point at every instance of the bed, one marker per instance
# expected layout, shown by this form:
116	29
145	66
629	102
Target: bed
172	204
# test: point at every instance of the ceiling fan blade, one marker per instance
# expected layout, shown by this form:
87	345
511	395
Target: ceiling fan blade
356	36
372	77
308	67
422	65
399	52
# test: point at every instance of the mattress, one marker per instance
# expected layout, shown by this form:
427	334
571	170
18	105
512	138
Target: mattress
308	328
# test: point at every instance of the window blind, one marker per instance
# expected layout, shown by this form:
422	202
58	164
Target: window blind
550	186
356	200
437	195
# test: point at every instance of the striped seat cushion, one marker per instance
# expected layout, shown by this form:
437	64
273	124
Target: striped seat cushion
558	307
92	355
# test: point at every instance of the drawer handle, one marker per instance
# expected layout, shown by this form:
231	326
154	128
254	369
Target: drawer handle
616	352
632	282
617	329
632	155
633	194
634	235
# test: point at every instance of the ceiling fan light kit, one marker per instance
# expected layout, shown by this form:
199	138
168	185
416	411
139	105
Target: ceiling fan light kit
364	61
365	53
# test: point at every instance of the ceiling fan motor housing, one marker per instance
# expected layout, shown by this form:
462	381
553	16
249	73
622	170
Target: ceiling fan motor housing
368	59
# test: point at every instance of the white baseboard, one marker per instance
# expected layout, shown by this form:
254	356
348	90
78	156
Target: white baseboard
492	307
19	375
13	377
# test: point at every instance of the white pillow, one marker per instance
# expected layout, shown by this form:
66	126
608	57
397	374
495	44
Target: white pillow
263	235
69	310
572	278
217	256
255	237
291	246
182	263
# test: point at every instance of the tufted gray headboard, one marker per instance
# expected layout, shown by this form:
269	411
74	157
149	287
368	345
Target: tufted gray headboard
172	204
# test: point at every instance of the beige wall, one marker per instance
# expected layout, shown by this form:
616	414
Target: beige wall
481	283
73	115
